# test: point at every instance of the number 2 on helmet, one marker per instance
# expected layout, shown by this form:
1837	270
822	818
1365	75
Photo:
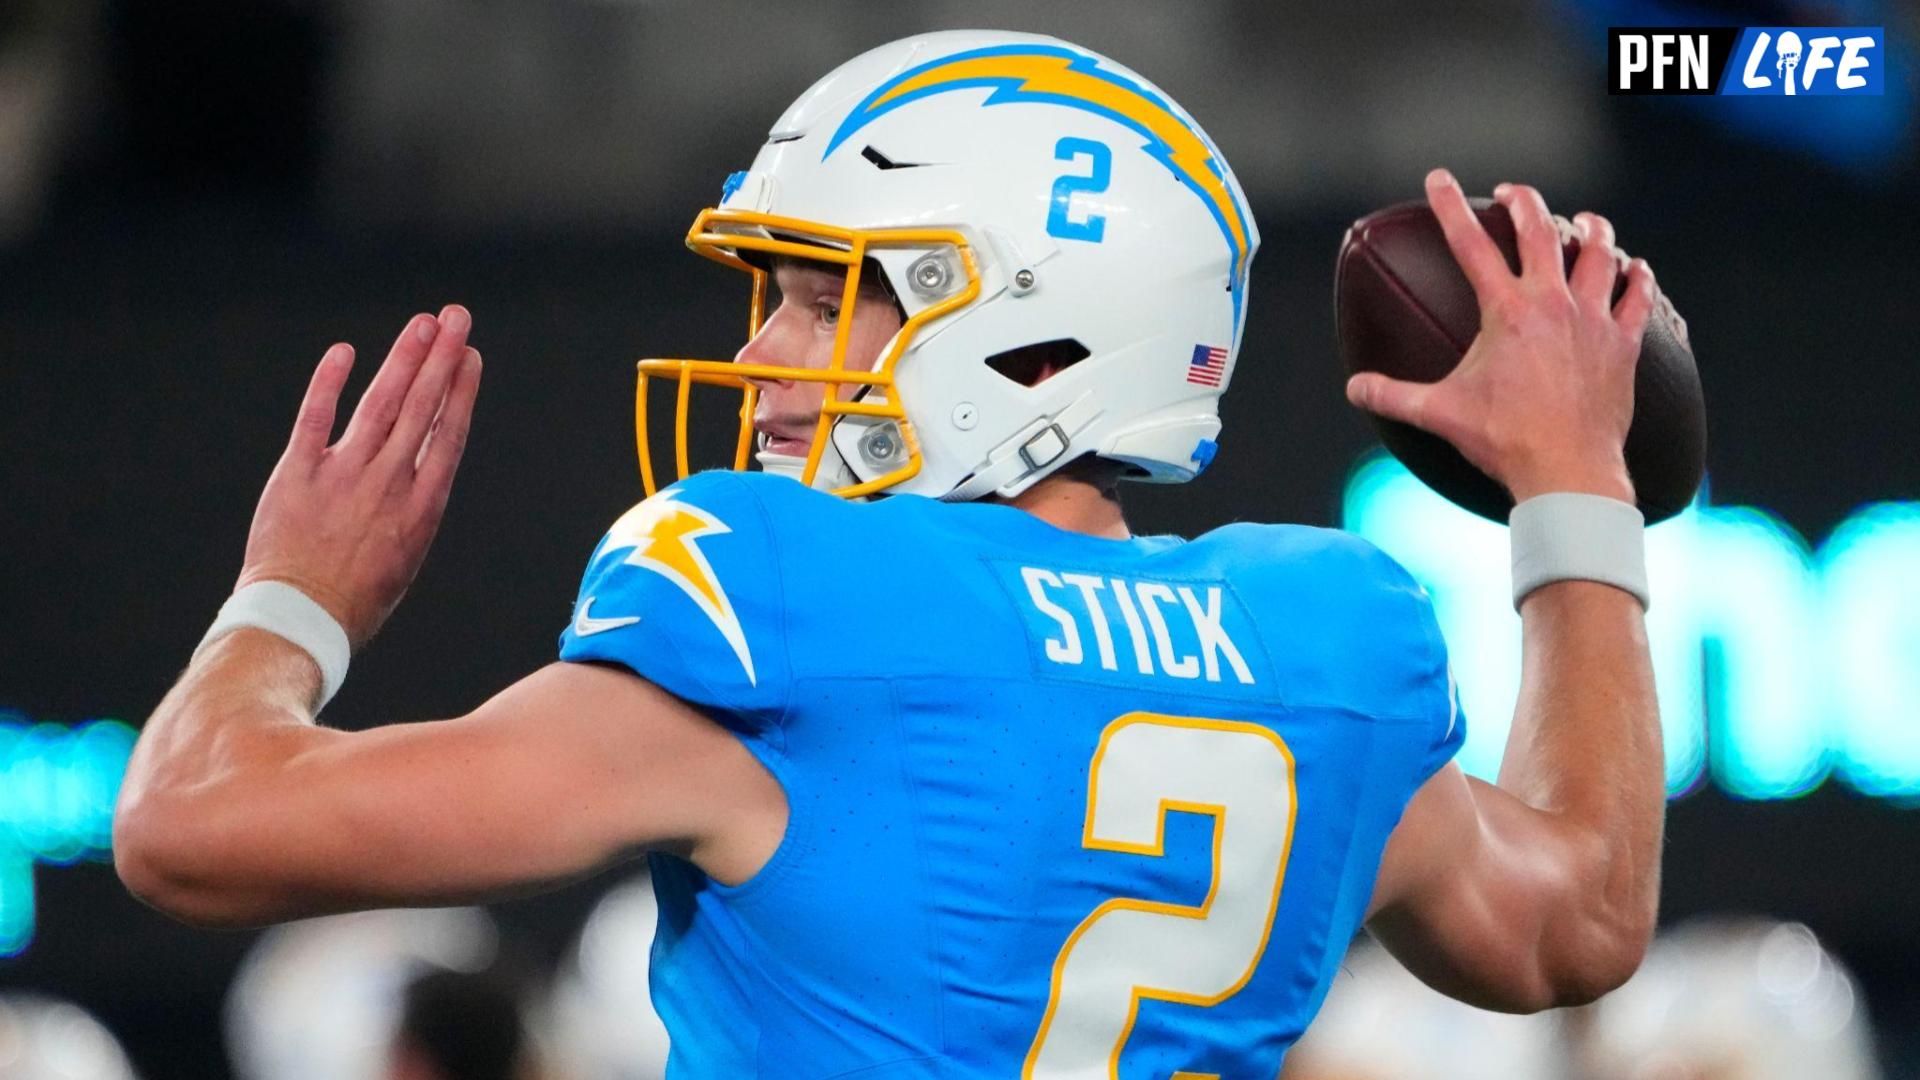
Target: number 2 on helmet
1060	221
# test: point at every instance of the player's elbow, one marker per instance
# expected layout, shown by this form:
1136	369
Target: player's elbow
142	859
1578	951
1595	920
147	858
161	860
1553	980
1598	953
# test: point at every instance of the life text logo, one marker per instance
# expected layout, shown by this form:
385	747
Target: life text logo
1783	61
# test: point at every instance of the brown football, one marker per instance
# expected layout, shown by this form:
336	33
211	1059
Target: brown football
1404	308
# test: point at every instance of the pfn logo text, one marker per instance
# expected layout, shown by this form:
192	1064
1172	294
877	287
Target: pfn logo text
1787	61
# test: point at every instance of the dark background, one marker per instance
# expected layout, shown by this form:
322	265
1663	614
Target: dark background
207	206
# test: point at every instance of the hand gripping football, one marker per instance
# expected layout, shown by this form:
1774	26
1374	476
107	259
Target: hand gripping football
1404	308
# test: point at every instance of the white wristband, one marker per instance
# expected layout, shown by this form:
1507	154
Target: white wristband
1570	536
279	608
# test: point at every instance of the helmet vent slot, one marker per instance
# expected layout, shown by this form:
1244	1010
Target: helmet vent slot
882	161
1028	365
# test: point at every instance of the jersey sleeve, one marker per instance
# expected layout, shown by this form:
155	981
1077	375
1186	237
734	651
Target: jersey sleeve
1446	722
1425	677
685	591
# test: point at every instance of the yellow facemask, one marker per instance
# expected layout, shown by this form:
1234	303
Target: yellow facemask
721	235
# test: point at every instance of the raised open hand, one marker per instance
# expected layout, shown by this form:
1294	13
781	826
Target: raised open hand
1543	398
349	524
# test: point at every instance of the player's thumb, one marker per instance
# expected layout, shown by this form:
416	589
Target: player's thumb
1392	398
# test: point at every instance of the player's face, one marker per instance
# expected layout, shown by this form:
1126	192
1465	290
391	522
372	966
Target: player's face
804	315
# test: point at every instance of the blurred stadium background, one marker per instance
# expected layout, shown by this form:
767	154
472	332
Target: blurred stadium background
197	197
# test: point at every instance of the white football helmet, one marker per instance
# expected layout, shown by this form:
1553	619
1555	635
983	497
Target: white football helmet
1016	192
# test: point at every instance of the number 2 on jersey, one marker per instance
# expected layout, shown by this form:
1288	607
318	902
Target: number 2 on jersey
1148	765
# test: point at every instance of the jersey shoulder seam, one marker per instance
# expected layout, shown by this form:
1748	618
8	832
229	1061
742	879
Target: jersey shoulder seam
776	564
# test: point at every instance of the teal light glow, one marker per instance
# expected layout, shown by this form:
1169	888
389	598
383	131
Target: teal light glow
1871	575
16	902
58	785
1774	668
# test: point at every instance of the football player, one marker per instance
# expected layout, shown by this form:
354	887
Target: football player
940	769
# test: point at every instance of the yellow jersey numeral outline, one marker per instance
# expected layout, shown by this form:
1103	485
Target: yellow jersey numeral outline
1157	848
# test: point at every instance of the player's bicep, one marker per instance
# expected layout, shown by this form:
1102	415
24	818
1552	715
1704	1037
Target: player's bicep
1434	835
1469	893
569	769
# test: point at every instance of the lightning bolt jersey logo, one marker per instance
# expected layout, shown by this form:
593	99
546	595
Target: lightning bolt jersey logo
665	536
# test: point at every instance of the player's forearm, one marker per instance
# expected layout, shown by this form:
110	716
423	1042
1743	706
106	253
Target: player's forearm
1585	749
205	755
238	810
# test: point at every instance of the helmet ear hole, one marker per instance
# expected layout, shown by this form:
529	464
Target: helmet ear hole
1030	365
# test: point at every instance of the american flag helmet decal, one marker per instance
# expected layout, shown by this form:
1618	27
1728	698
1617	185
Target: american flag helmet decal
1209	365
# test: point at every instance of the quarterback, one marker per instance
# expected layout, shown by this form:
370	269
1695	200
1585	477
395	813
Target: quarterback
1100	805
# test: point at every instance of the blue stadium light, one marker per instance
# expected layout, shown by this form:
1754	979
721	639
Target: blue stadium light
58	785
1775	668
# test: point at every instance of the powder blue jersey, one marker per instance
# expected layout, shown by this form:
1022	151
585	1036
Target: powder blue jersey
1059	806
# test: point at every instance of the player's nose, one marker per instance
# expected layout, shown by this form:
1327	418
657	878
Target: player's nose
764	349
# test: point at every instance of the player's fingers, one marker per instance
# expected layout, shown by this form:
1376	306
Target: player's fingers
378	407
1636	304
429	389
1594	270
468	355
1395	399
1472	248
1540	256
313	425
440	457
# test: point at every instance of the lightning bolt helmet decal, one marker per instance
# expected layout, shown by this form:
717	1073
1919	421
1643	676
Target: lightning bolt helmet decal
1051	74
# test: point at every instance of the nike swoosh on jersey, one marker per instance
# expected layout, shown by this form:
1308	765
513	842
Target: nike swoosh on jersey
585	625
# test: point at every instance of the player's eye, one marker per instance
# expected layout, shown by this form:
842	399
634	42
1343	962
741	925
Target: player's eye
829	312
